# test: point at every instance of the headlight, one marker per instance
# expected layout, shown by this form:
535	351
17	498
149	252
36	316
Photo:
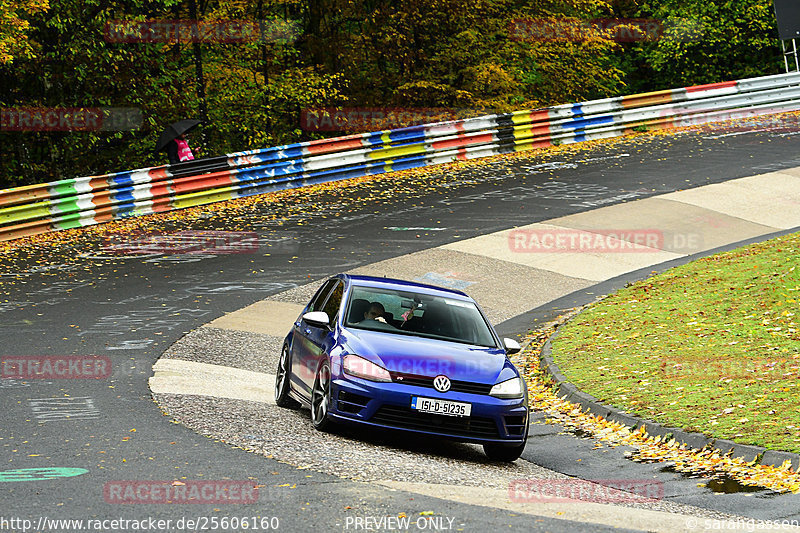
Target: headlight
512	388
361	368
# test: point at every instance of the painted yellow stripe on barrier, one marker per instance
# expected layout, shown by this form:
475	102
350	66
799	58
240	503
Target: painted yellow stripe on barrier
19	213
202	198
385	137
397	151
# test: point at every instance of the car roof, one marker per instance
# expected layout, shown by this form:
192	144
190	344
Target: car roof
399	284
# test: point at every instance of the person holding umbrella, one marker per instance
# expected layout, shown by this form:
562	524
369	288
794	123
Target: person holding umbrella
173	140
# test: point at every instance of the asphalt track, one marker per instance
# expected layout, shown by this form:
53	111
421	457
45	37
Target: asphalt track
74	302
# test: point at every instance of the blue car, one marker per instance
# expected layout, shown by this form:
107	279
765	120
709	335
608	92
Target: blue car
405	356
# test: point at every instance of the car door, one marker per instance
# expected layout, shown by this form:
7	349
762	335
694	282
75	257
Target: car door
302	346
317	341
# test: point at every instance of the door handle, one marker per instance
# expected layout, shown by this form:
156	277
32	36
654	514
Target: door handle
307	331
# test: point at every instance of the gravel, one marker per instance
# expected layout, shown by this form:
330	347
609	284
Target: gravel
238	349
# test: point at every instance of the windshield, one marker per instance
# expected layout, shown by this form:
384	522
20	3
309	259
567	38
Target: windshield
410	313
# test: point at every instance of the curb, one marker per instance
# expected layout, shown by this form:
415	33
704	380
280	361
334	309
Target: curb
571	393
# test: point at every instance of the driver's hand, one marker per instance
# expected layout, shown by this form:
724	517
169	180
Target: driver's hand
380	319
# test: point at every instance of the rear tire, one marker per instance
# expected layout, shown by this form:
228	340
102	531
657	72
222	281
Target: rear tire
321	398
499	452
282	378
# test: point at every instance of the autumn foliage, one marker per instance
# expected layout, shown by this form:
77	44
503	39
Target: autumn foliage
478	55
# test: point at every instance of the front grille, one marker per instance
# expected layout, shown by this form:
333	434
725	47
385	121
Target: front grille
455	386
404	418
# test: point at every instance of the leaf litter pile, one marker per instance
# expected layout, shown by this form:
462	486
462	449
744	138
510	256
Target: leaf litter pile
711	346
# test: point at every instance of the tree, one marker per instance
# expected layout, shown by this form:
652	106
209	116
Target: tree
708	41
14	25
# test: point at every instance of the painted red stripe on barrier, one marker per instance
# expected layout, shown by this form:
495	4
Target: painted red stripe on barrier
157	174
463	140
534	144
98	183
543	129
349	142
100	218
646	99
162	204
462	154
710	86
162	196
539	115
206	181
19	195
101	198
26	229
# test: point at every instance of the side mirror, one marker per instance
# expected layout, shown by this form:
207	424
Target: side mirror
317	318
512	346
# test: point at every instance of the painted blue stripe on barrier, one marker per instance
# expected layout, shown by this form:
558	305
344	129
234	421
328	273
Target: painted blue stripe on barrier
124	210
577	109
405	165
373	139
121	179
276	169
579	124
408	136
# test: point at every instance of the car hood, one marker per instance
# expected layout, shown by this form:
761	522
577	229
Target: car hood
426	357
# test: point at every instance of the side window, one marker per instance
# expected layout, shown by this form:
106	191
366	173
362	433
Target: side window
319	299
334	301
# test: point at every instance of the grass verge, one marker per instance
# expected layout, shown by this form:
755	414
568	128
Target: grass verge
712	346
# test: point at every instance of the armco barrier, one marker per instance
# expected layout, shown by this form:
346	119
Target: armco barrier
92	200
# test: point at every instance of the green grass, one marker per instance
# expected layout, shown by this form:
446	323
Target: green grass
712	346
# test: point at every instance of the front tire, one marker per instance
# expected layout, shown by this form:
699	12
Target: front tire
321	398
282	378
499	452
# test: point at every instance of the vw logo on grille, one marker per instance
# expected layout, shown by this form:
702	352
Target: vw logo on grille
441	383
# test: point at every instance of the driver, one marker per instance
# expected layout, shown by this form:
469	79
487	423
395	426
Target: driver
375	312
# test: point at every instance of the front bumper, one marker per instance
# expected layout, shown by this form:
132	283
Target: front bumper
388	405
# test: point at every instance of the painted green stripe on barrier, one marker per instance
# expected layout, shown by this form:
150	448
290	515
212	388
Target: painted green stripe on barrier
64	206
68	221
63	188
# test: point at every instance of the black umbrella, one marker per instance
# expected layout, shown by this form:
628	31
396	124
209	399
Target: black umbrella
175	130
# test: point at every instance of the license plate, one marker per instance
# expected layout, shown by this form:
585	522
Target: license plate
440	407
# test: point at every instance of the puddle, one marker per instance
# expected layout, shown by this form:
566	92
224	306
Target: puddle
726	485
580	433
721	484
